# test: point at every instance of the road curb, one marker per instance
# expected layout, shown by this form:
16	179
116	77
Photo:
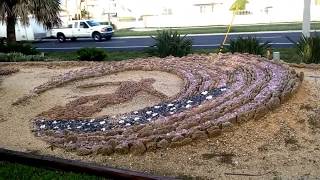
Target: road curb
73	165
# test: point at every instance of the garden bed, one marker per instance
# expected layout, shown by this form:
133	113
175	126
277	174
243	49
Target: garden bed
200	116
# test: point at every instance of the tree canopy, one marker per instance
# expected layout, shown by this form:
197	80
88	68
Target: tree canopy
239	5
45	12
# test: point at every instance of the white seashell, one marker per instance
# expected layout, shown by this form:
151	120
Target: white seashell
209	97
188	106
121	121
204	93
136	118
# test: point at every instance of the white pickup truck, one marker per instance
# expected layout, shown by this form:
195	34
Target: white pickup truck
83	29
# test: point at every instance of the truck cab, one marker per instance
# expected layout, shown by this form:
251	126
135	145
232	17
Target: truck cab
83	29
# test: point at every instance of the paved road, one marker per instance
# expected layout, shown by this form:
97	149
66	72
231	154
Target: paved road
277	39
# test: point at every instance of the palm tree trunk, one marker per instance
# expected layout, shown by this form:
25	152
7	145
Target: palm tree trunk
306	18
11	29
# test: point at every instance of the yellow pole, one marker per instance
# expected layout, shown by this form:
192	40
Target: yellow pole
228	31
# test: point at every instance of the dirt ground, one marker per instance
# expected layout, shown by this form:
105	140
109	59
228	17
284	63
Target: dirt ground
284	144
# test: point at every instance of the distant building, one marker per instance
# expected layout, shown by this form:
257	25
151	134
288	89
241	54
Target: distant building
177	13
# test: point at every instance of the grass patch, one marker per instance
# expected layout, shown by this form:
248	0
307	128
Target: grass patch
23	172
287	54
222	29
111	55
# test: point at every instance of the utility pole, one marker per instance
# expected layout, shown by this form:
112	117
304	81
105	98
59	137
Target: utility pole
306	18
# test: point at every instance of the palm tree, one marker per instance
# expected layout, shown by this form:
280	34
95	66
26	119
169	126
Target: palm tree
237	6
44	11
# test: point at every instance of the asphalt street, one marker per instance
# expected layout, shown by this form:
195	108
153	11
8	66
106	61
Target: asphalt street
200	41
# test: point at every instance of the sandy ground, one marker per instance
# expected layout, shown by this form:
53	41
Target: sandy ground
283	144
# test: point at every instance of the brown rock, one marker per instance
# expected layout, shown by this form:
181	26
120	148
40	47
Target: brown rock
113	143
182	142
163	143
70	147
71	139
151	146
214	131
105	150
273	103
177	138
199	135
301	76
82	151
122	148
260	112
227	126
137	148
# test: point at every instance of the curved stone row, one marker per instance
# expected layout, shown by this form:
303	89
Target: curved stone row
4	71
218	92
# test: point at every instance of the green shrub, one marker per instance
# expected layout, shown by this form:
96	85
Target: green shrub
248	45
19	57
308	48
14	57
91	54
3	57
168	42
19	48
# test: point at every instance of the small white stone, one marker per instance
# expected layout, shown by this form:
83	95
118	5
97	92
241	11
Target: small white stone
204	93
170	105
171	112
124	117
42	126
102	122
54	122
209	97
103	129
149	112
91	120
136	118
172	109
223	89
157	107
189	101
42	120
79	127
56	127
188	106
128	124
154	114
149	119
121	121
135	112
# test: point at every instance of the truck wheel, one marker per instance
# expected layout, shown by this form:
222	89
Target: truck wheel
97	36
73	39
61	38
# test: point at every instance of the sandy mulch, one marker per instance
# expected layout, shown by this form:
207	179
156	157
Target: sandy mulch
285	143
